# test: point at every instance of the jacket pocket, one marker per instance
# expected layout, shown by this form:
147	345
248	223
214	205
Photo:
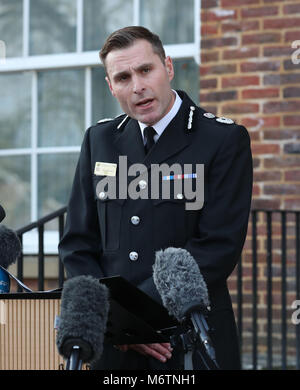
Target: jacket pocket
110	216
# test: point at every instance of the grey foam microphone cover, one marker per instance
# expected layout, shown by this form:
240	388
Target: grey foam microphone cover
10	246
179	281
83	317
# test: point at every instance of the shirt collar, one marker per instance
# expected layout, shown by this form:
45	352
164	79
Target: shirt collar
160	126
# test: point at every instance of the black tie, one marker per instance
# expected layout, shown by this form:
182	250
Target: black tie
149	133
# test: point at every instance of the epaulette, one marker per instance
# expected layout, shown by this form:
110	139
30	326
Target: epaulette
220	119
105	120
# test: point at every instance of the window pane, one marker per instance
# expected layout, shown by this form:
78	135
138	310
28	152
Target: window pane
187	77
11	26
15	189
172	20
61	107
55	178
104	104
52	26
15	110
102	17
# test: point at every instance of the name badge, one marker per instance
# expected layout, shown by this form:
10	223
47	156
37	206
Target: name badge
105	169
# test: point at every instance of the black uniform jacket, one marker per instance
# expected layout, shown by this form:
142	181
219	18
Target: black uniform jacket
100	237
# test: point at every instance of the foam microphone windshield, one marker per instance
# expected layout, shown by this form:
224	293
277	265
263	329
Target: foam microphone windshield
10	247
179	282
83	318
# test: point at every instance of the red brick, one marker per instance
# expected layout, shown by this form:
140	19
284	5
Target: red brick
268	204
239	81
209	29
260	93
268	66
218	96
209	3
255	190
291	92
278	51
262	176
208	56
275	106
261	122
250	39
254	136
281	134
240	108
265	148
217	69
208	83
291	120
212	43
292	204
291	9
257	12
282	189
281	23
238	3
218	14
291	36
238	26
282	162
280	79
243	52
293	175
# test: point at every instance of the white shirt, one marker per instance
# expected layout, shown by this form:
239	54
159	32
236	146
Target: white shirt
160	126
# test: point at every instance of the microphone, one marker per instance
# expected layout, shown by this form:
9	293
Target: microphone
2	213
183	290
83	318
10	250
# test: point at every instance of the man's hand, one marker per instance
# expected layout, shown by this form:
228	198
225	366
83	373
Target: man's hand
161	351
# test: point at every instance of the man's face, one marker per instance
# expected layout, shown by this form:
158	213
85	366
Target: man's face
140	81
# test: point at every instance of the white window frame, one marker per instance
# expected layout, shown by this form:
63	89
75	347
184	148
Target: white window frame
78	59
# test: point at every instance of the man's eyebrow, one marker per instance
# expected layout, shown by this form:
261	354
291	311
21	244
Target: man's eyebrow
119	74
138	68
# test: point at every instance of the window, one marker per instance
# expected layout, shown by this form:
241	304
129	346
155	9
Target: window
53	87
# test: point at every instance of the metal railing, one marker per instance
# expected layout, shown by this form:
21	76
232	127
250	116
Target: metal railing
272	258
275	282
40	226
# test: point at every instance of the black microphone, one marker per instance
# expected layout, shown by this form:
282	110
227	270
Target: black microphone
2	213
83	318
10	250
183	290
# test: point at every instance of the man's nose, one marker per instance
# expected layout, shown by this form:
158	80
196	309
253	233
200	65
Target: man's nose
138	85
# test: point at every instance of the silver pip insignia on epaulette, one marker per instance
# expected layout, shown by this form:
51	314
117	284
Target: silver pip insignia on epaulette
227	121
209	115
190	122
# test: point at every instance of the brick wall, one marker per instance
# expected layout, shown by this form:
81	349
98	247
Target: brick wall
247	74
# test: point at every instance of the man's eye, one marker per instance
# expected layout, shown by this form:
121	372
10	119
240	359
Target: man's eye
146	70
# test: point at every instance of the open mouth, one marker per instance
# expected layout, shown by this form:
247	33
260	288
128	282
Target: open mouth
145	103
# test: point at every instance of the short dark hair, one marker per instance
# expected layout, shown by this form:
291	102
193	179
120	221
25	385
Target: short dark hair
127	36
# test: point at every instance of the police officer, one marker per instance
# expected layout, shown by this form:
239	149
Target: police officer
107	234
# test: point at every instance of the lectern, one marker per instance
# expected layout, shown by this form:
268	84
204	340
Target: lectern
28	324
27	331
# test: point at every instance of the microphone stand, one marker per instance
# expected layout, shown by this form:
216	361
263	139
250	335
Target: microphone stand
74	362
188	340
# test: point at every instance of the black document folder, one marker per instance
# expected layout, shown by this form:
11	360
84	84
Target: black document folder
134	317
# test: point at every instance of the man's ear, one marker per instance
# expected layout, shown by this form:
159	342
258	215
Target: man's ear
169	67
110	86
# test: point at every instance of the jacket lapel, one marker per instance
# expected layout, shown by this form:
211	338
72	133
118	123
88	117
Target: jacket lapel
175	137
130	142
